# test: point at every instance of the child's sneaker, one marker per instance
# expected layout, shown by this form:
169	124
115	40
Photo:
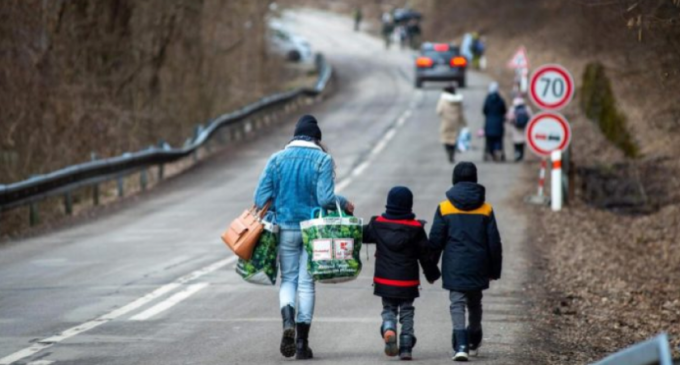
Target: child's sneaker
460	345
475	341
389	333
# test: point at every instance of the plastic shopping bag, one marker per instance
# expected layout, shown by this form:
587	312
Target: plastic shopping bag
262	268
333	244
464	139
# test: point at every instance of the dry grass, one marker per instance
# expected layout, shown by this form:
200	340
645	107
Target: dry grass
114	76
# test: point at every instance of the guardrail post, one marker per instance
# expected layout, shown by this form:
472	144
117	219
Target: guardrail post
121	187
143	179
161	167
197	132
68	203
220	136
33	214
95	187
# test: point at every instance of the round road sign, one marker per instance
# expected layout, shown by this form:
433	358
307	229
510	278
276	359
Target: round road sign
551	87
548	132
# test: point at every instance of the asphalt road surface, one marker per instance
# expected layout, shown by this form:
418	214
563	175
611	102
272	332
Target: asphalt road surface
153	284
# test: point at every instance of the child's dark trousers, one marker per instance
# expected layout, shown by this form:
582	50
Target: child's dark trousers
472	300
402	308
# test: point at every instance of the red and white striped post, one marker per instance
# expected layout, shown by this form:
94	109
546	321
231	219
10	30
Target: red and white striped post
556	181
541	176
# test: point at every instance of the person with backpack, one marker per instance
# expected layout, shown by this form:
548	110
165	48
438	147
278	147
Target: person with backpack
401	244
518	117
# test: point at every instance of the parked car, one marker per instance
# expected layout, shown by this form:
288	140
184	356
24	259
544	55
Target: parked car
440	62
289	45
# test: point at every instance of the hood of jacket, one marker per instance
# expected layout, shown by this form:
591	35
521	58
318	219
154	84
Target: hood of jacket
467	195
452	98
396	236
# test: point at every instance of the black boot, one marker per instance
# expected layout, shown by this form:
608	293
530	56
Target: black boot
474	340
406	345
288	338
519	152
451	152
388	331
460	345
303	351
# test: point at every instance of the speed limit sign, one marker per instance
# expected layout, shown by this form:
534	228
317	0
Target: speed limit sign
551	87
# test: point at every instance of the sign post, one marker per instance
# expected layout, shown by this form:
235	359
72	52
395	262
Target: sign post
548	134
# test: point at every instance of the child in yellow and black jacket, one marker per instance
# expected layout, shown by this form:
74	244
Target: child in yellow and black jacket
465	229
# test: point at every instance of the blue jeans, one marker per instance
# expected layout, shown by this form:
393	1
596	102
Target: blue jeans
295	279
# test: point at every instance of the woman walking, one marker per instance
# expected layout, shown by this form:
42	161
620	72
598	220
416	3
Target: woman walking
494	112
297	180
450	111
518	117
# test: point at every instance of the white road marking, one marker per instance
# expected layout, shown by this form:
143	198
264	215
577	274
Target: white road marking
278	320
73	331
169	303
41	362
33	349
382	143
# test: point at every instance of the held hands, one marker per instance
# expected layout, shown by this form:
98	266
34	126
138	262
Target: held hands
349	207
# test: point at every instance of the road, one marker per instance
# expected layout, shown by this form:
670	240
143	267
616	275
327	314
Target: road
153	284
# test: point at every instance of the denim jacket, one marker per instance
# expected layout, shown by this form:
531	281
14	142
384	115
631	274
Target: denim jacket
298	179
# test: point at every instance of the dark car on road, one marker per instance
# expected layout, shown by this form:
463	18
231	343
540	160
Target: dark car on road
440	62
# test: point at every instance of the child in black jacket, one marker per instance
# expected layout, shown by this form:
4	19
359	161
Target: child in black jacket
401	242
465	229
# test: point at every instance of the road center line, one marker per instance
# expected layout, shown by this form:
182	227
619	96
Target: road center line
73	331
382	143
170	302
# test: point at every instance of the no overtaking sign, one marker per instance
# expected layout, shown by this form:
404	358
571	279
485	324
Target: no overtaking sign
548	132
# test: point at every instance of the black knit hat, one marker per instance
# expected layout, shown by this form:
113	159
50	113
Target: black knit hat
399	204
308	126
465	171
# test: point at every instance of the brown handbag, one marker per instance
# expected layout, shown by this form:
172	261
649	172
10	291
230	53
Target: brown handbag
244	232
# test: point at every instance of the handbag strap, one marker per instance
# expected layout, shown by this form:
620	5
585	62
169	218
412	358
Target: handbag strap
264	209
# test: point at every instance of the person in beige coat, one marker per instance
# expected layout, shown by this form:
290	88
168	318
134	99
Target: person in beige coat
518	117
450	111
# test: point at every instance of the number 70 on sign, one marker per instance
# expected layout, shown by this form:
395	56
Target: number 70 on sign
551	87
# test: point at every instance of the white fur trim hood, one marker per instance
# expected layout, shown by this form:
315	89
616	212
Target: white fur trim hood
452	98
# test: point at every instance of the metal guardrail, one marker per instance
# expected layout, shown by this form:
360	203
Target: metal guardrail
91	173
656	351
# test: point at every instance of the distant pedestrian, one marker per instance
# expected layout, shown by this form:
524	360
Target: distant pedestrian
478	49
465	229
387	29
452	119
297	180
358	16
414	31
401	243
402	33
494	113
466	47
518	117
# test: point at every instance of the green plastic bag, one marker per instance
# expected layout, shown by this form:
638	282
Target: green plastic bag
262	268
333	245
